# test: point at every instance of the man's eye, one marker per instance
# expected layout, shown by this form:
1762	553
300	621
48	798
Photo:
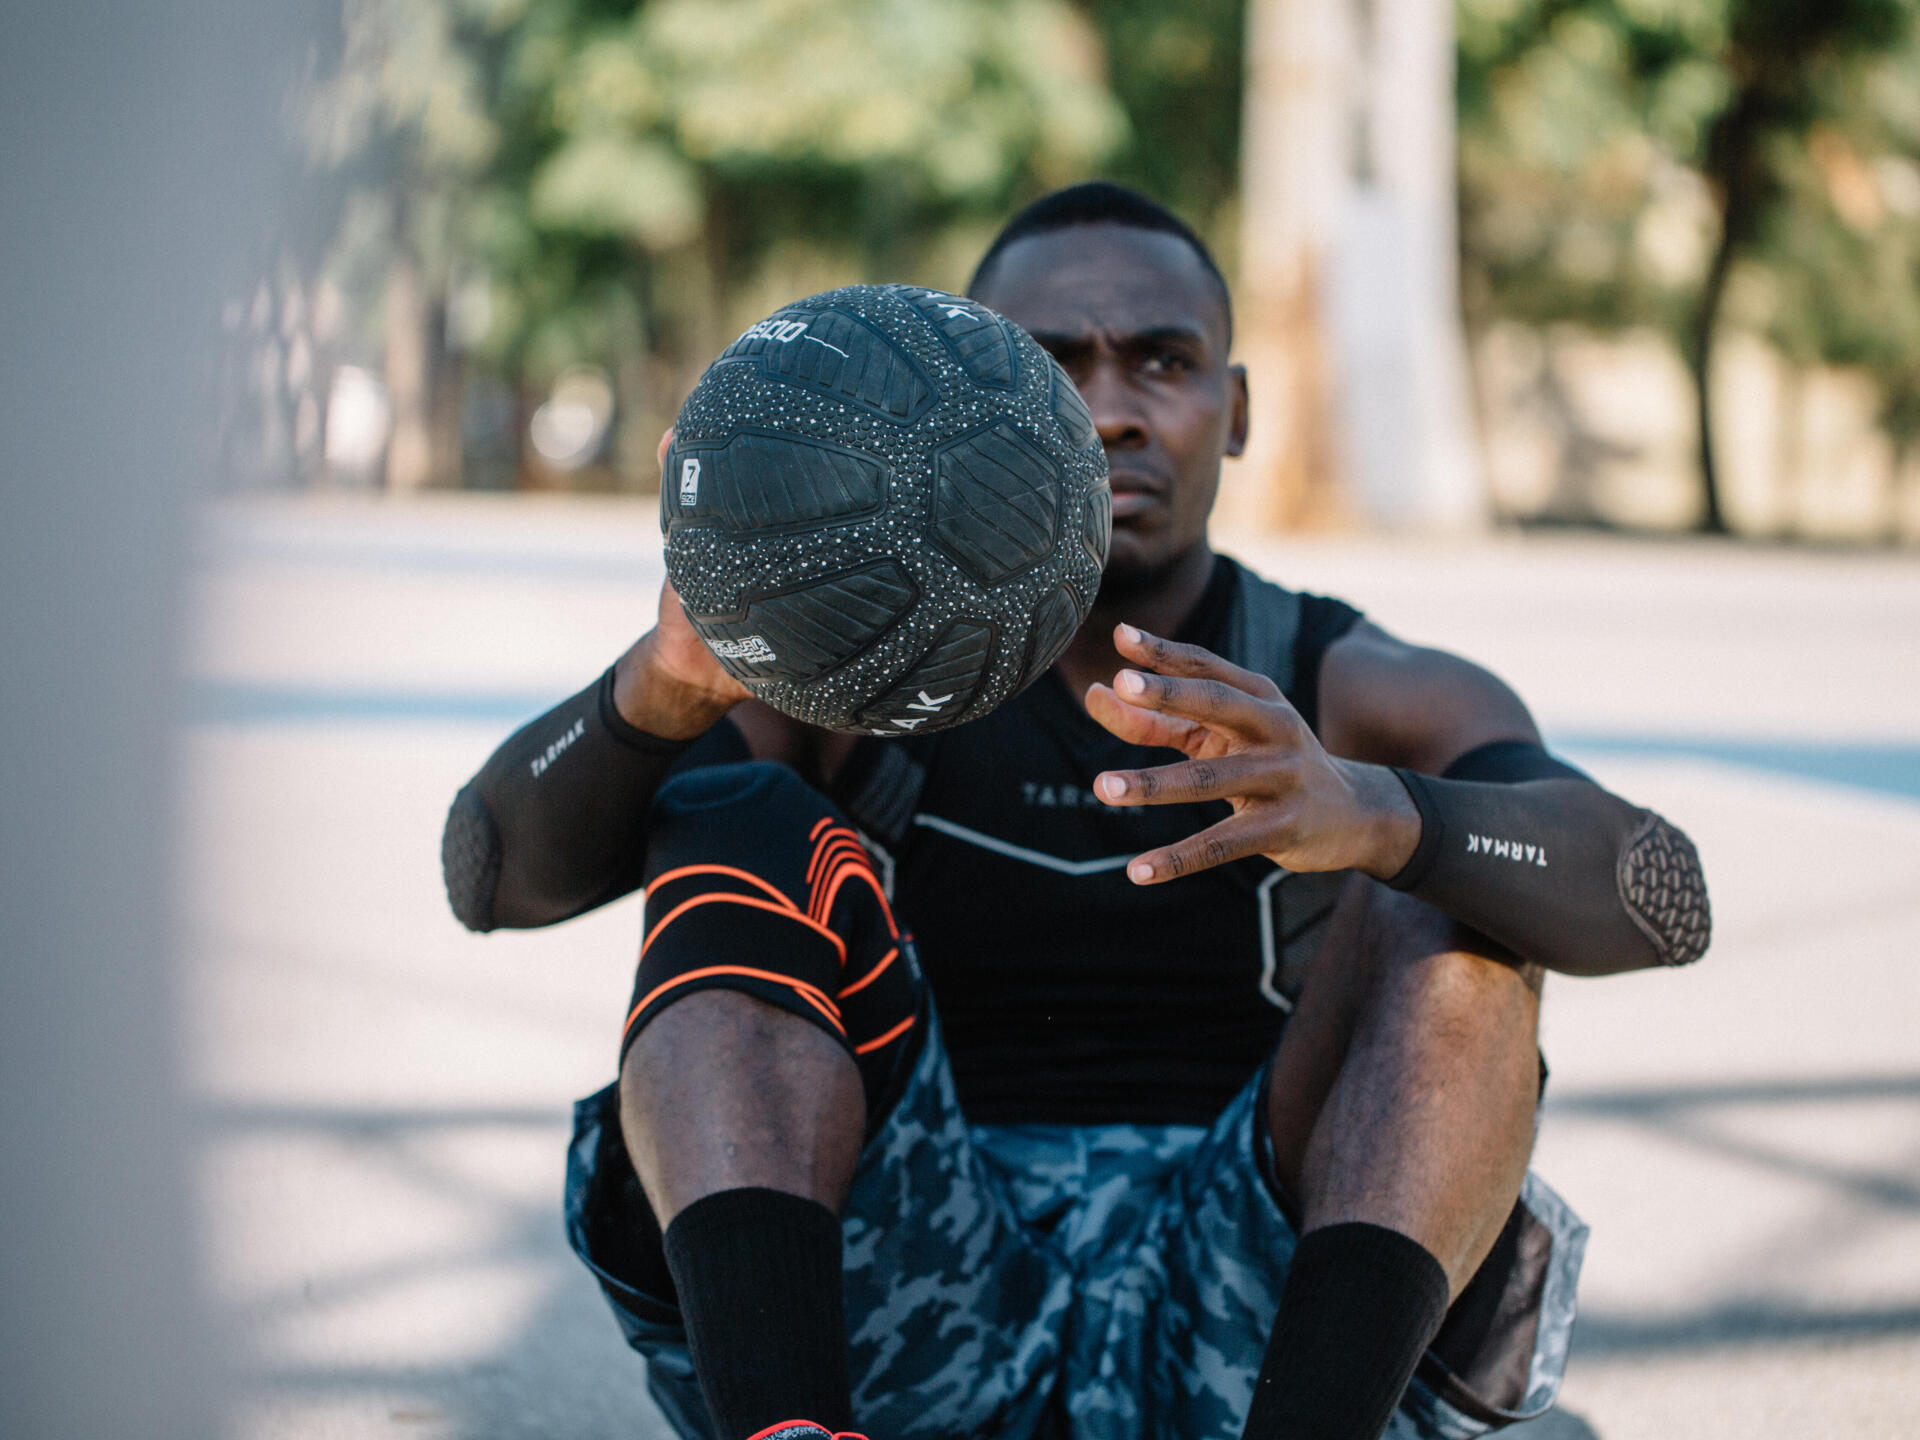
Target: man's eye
1167	362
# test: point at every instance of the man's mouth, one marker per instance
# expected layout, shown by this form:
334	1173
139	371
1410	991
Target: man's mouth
1134	494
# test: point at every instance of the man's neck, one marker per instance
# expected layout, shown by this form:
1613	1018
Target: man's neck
1160	608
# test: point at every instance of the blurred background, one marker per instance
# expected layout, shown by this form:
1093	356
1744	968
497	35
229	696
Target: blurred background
1585	342
1644	264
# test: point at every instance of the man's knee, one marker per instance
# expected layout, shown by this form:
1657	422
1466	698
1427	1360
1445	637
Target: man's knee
1425	963
758	885
700	816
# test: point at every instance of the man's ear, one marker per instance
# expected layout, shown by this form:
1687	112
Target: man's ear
1238	418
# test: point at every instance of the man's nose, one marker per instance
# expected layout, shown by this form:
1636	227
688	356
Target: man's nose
1117	414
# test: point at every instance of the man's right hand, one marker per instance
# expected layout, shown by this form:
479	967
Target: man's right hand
669	684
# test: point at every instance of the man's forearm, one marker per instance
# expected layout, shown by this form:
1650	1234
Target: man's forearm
1555	868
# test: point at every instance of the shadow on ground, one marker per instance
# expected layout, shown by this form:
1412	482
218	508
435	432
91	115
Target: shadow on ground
566	1371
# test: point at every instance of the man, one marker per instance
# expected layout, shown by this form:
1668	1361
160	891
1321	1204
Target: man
1135	1134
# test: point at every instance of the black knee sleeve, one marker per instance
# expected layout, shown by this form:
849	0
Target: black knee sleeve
756	883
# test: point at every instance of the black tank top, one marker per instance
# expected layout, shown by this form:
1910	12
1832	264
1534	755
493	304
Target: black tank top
1067	994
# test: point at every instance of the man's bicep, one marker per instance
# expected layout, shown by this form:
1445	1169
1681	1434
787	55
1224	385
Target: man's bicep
1386	702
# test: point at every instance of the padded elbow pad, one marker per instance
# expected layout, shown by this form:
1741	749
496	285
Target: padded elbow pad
1539	858
470	860
1665	891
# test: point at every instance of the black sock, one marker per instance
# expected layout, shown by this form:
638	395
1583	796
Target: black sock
758	1275
1361	1304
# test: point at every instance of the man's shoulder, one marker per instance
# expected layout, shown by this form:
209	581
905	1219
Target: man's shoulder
1251	582
1277	631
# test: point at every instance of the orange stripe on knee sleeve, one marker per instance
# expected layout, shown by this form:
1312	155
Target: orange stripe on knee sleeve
717	898
806	992
851	869
775	891
831	844
894	1034
871	975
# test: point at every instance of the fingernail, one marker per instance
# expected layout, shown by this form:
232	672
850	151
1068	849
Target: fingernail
1129	634
1133	682
1113	786
1140	872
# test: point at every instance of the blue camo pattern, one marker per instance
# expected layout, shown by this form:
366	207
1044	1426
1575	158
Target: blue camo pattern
1040	1282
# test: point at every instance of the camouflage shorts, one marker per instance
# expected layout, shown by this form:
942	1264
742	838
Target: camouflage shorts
1111	1282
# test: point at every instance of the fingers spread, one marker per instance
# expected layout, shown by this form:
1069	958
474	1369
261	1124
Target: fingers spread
1208	701
1172	657
1137	726
1232	839
1188	781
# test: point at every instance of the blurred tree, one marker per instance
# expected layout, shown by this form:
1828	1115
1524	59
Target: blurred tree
1661	162
1179	73
542	182
404	120
1839	249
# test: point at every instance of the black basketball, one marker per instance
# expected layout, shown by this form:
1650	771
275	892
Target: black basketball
886	509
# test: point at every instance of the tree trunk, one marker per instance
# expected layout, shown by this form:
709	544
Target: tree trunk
1294	163
1712	517
446	437
1349	292
410	443
1402	380
1735	165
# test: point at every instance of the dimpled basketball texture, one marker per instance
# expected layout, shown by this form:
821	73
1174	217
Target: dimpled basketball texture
886	509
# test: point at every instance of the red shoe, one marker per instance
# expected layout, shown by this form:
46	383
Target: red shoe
802	1430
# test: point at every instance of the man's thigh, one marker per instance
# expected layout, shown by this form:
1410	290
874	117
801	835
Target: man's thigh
1173	1316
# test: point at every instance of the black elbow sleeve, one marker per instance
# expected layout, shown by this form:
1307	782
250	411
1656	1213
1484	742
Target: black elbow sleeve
1535	855
555	823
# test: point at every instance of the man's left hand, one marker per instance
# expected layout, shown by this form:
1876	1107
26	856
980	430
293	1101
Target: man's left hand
1292	802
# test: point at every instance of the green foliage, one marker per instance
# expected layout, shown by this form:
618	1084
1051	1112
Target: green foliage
1836	276
568	160
1177	70
626	182
1608	147
1581	127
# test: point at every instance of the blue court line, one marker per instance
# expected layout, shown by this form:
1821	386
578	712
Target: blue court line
219	702
1887	768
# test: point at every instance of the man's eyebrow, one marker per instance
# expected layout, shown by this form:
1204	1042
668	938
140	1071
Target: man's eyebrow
1132	340
1061	339
1162	335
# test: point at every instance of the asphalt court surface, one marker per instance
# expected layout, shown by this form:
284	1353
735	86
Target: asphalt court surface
386	1095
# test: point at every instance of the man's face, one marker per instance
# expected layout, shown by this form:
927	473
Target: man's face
1141	327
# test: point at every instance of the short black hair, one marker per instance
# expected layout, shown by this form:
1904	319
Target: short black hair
1098	202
